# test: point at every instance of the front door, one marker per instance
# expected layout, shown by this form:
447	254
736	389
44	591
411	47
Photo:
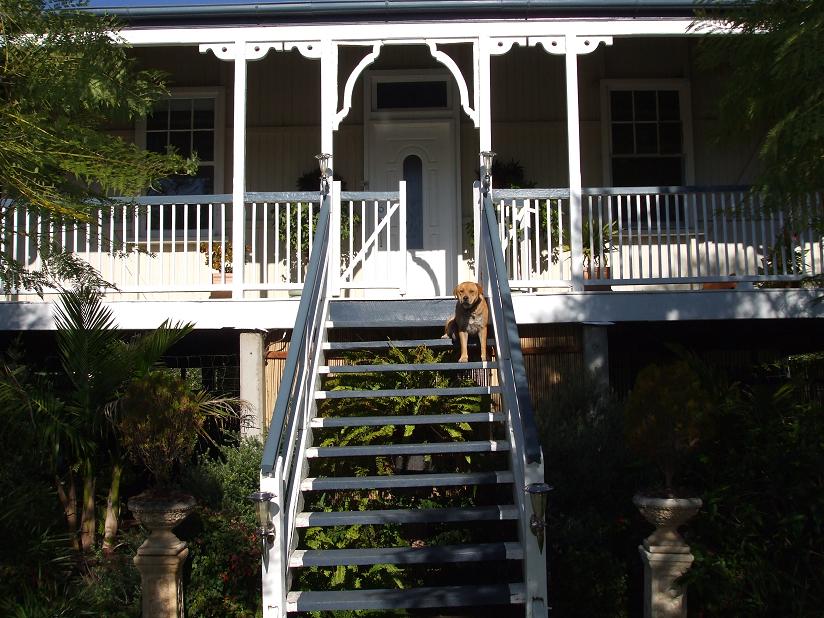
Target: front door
423	153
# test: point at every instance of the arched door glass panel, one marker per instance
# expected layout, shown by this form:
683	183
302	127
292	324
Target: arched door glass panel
413	175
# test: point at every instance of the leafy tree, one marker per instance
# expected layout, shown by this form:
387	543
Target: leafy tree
64	75
72	410
772	52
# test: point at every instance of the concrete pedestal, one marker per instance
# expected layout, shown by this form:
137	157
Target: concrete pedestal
160	580
663	598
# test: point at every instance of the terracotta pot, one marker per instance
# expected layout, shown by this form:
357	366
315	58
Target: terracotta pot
597	272
218	279
160	514
667	515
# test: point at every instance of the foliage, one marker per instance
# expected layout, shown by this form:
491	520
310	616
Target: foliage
772	56
509	175
224	578
759	540
161	419
64	77
592	542
340	537
667	415
70	409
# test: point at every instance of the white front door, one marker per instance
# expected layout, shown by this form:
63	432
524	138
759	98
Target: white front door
423	153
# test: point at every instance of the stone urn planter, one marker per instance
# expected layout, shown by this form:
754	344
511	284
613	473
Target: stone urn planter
667	515
161	556
665	555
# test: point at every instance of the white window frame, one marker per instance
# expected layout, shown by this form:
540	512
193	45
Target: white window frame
682	86
219	96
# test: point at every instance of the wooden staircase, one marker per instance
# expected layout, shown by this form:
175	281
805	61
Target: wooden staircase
481	570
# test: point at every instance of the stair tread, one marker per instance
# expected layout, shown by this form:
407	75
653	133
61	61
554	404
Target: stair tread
409	419
479	552
476	446
382	345
400	516
408	392
405	480
335	369
444	596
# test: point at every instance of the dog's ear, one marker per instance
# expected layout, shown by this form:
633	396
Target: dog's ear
456	293
480	289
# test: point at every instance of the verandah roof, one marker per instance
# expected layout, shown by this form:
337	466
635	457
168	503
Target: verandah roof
277	10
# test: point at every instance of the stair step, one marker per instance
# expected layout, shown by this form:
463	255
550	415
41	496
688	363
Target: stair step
407	516
336	369
409	419
406	555
384	345
446	596
479	446
409	392
343	483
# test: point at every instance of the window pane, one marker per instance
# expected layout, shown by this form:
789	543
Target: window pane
621	104
204	114
180	114
645	105
413	175
668	105
159	117
622	139
670	137
203	143
182	141
647	171
409	95
646	138
156	141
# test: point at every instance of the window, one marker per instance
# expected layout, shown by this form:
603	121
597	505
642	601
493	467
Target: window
188	126
191	121
647	133
412	95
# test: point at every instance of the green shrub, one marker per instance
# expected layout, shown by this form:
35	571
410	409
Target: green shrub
223	574
759	539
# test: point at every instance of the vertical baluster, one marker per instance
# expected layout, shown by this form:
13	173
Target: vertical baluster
536	249
289	241
658	233
254	240
587	216
736	222
603	257
630	239
683	199
697	226
706	231
649	235
111	241
668	235
198	227
753	200
276	241
808	224
352	233
715	238
299	247
620	217
264	258
723	202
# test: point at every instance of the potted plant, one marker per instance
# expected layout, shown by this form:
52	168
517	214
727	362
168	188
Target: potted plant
597	244
666	417
160	419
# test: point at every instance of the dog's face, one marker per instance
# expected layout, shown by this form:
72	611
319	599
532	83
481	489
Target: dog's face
468	293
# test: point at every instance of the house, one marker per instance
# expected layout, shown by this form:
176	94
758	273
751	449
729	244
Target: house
600	108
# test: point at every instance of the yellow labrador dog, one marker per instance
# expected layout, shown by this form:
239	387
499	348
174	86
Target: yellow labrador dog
471	317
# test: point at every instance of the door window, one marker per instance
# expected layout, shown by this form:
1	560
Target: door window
413	175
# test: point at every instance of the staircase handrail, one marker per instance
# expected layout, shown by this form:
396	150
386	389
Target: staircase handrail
526	456
508	342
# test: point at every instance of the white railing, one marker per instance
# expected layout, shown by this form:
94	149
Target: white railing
184	243
658	235
373	245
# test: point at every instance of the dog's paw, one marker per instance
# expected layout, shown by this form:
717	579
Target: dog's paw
463	359
445	336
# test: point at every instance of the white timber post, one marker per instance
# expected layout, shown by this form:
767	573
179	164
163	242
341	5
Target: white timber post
239	52
483	104
328	98
571	46
252	389
239	172
574	162
274	551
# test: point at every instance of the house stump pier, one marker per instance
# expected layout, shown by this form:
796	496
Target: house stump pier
160	578
663	565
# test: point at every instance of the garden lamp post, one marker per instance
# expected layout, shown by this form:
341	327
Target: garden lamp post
538	495
487	156
323	163
263	512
